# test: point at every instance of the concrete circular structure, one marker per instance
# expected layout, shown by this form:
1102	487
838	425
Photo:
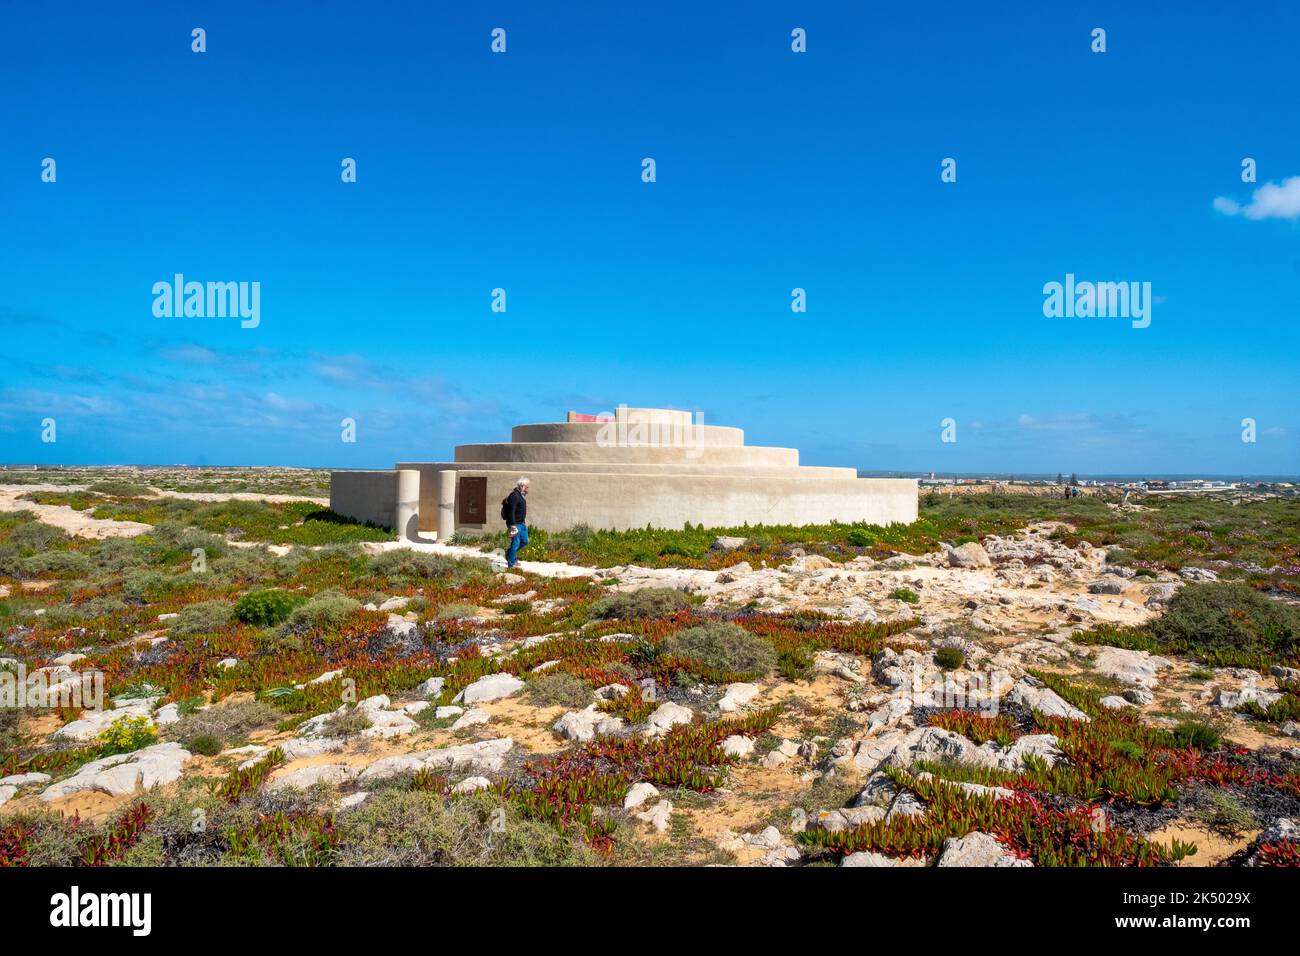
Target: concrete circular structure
636	468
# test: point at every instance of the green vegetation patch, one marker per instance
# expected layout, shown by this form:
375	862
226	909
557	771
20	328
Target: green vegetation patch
724	647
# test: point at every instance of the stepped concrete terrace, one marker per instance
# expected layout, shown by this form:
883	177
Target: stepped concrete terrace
637	467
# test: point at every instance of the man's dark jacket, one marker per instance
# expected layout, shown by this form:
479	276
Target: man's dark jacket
516	507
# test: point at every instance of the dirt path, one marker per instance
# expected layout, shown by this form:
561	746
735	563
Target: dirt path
80	524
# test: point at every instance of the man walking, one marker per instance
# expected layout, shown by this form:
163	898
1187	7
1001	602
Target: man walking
515	510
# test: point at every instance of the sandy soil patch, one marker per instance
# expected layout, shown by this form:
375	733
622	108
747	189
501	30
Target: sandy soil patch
79	524
1211	847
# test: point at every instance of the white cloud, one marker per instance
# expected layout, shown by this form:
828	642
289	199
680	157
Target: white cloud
1059	423
1270	201
282	404
195	354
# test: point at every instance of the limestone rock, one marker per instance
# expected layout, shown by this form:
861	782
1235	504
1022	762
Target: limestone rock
121	775
846	818
92	723
472	785
1233	699
432	687
639	794
304	777
587	724
485	755
471	718
879	791
969	555
491	687
25	780
1106	587
736	696
301	747
906	804
867	858
658	816
978	849
1282	828
767	845
1032	694
974	789
783	752
1161	592
667	716
726	543
737	746
734	573
1136	668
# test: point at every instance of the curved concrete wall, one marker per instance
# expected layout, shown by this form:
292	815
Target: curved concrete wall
592	432
590	454
706	475
643	468
620	502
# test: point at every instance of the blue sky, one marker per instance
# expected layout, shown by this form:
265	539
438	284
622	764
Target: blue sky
775	170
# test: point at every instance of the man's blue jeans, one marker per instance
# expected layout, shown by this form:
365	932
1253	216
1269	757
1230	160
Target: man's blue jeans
517	541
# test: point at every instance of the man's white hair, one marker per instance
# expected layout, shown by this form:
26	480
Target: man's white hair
521	482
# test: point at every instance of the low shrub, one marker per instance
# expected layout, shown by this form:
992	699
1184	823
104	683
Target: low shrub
1229	625
327	611
1196	735
267	608
59	564
637	605
905	594
1225	813
402	567
205	617
420	827
116	488
457	611
724	646
949	658
149	586
795	663
558	690
127	734
229	721
209	745
349	723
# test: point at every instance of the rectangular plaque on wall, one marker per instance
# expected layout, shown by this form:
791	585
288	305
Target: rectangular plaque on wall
471	501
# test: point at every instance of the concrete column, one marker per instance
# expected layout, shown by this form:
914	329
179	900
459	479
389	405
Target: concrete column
446	505
407	519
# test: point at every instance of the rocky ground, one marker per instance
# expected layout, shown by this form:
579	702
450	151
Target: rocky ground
926	680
